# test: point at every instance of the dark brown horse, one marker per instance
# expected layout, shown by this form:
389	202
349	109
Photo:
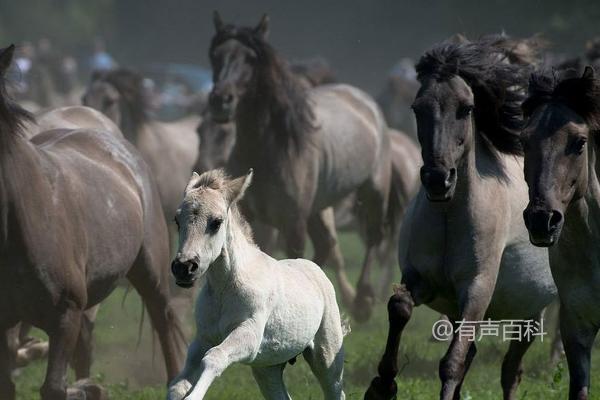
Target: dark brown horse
562	169
309	147
79	211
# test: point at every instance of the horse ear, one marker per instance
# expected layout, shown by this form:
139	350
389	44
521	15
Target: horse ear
218	21
193	182
6	56
262	29
237	187
588	73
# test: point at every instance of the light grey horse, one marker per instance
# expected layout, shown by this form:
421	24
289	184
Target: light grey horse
463	251
562	170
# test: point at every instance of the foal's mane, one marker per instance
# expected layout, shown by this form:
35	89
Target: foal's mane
497	75
579	93
284	99
217	179
130	85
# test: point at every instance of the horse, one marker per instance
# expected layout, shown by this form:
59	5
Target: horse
562	171
79	212
461	251
170	149
310	147
253	309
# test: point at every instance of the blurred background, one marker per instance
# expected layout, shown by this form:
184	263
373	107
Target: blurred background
361	39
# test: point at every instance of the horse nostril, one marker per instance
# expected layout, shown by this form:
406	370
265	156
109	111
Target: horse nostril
450	178
555	219
193	266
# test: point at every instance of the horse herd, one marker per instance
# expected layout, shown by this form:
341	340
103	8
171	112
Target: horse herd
86	193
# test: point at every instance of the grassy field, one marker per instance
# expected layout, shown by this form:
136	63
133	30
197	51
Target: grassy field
132	372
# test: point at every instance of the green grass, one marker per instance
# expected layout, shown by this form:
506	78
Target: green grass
133	373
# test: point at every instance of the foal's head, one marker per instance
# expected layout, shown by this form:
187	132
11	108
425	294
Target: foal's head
209	204
116	91
234	56
563	113
466	88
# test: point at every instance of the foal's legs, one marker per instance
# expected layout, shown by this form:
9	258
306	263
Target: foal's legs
400	306
270	382
63	335
321	229
183	383
578	341
512	367
7	387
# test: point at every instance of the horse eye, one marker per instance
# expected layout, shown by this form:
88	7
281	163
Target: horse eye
579	145
464	111
214	225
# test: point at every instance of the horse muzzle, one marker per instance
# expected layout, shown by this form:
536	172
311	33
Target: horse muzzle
544	226
439	183
185	273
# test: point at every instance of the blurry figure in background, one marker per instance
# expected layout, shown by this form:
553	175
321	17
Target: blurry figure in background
101	60
397	96
24	61
316	71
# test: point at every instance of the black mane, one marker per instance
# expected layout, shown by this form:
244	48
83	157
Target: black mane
284	98
130	85
580	93
497	75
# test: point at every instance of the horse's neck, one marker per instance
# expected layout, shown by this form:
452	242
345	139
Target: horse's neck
252	121
592	195
229	268
20	176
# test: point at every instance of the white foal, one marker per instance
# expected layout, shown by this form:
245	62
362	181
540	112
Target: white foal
253	309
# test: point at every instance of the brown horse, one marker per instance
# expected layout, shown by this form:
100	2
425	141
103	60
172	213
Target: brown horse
170	149
562	169
310	147
79	211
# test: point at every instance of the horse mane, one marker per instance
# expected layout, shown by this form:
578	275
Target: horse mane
284	98
497	75
217	179
579	93
130	85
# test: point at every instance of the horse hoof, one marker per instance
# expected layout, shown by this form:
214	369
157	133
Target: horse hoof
363	308
380	391
85	389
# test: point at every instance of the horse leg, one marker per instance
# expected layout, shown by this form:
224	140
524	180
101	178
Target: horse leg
63	336
512	367
270	382
474	298
326	356
400	306
372	199
82	356
470	356
7	387
295	237
321	229
578	341
145	276
240	345
183	383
